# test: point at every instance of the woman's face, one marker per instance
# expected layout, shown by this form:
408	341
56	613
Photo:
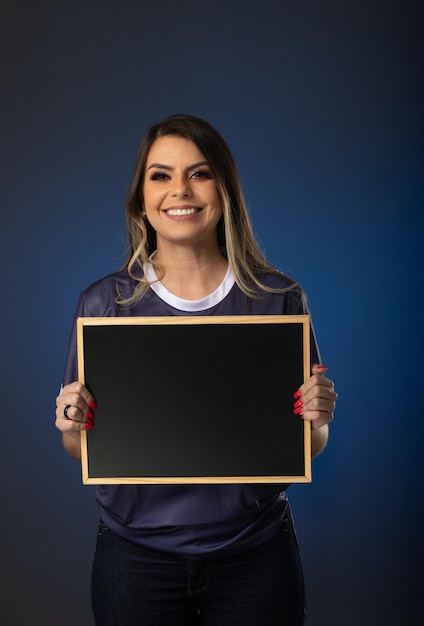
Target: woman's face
181	198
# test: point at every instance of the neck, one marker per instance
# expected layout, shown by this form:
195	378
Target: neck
190	273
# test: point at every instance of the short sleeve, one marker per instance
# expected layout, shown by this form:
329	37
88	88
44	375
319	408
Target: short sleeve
71	363
315	356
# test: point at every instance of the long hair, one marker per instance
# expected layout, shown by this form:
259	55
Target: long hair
234	230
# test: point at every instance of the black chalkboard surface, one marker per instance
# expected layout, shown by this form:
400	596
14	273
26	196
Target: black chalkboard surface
195	399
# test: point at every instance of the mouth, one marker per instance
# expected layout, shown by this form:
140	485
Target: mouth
182	211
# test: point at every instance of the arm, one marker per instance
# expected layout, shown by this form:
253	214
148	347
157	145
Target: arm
319	438
79	405
315	401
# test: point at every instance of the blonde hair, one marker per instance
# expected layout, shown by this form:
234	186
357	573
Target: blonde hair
234	231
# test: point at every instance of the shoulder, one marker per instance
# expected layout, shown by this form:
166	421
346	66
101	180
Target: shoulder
277	280
281	282
282	291
111	281
99	298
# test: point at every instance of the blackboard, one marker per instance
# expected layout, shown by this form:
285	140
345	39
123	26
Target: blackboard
195	399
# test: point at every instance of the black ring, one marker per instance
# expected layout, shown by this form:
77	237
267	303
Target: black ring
65	411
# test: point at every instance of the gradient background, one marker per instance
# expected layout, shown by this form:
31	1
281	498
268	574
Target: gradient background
322	105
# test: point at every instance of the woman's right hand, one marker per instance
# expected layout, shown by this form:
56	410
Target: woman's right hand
74	408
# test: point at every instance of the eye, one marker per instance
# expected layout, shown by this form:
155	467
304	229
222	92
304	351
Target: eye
203	174
159	176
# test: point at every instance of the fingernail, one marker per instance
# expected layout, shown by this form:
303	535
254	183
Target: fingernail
92	404
90	414
297	394
322	368
89	425
298	411
298	403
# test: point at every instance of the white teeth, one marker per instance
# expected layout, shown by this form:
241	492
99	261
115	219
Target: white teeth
181	211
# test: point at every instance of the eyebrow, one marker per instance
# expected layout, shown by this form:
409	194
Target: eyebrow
162	166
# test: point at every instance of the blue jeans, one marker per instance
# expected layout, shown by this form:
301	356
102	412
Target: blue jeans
135	586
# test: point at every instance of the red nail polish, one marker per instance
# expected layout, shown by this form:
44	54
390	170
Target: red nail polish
298	411
89	424
92	405
322	367
298	403
90	414
297	394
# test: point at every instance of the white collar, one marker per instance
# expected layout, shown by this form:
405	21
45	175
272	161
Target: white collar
189	305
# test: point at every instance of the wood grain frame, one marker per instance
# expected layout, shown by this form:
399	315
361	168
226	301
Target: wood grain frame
195	399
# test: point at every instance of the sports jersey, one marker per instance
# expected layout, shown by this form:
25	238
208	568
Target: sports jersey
189	520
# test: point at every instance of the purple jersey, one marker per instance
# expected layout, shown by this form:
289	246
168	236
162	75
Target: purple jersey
189	520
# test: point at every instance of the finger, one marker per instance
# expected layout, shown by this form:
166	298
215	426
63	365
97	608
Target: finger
81	390
74	405
312	407
317	381
320	370
317	391
315	399
320	403
319	409
68	425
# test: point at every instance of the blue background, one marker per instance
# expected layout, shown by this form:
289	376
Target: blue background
322	105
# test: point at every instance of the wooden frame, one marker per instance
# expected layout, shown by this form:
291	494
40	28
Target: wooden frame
195	399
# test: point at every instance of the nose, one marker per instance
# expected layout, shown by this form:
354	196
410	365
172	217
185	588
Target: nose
181	187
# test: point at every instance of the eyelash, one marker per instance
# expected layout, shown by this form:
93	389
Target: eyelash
202	174
160	176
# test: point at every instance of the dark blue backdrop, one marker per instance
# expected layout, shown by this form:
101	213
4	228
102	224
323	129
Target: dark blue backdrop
321	103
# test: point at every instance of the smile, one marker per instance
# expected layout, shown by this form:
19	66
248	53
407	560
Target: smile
178	212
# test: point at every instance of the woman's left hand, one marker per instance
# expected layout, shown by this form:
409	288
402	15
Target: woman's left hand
315	400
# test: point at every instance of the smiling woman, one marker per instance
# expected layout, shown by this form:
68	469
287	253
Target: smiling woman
183	206
234	235
193	554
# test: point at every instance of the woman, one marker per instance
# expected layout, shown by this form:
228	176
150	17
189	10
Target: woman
193	554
